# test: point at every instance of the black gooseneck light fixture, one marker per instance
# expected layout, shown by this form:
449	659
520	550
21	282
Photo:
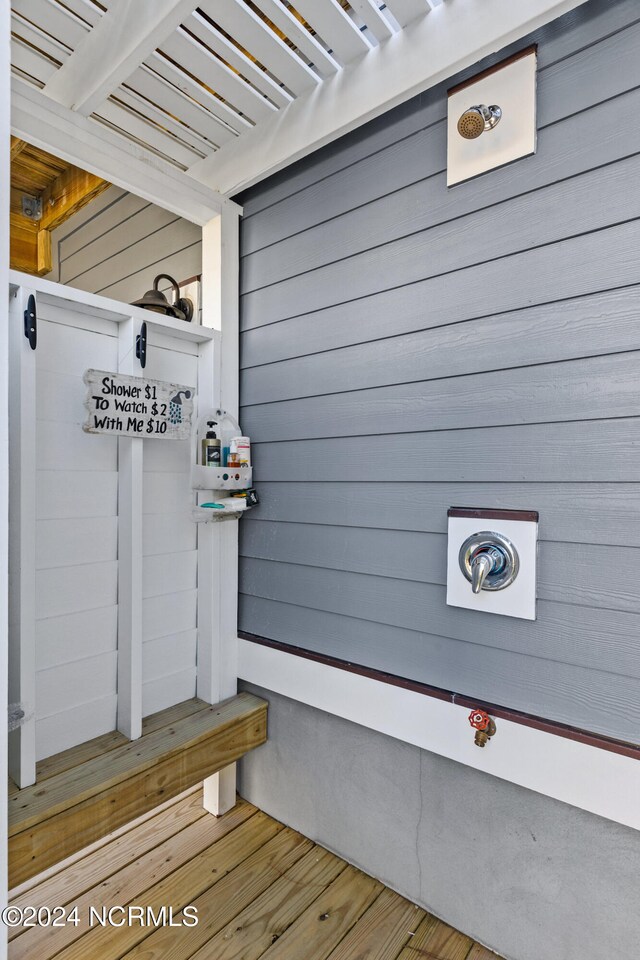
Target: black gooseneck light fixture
155	300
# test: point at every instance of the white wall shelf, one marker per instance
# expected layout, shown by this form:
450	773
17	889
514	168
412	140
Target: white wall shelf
220	478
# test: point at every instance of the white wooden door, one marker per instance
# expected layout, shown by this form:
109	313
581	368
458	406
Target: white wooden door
104	551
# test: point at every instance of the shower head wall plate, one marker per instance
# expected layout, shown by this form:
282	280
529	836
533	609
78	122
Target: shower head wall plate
499	103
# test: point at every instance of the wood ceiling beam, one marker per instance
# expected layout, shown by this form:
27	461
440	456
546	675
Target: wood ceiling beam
123	38
67	194
17	146
30	248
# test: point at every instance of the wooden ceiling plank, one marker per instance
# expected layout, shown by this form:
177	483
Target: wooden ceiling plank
68	193
405	11
203	64
304	40
121	40
236	59
53	18
343	37
374	18
252	33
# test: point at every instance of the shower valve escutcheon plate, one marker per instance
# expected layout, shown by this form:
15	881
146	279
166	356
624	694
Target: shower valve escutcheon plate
492	559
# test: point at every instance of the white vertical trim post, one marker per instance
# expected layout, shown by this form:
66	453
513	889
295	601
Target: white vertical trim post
5	128
22	540
130	479
218	542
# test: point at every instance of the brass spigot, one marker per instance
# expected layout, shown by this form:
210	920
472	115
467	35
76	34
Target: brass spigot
484	726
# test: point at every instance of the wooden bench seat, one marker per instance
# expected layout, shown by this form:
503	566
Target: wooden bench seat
77	804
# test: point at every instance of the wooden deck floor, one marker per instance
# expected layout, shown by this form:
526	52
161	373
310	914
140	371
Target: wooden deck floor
260	889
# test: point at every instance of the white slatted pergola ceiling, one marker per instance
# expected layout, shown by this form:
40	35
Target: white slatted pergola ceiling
209	98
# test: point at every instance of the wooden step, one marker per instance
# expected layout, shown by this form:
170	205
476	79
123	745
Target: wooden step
79	803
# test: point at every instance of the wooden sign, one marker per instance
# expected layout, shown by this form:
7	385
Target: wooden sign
136	407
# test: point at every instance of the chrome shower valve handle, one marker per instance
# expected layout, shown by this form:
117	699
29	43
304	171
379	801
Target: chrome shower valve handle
489	561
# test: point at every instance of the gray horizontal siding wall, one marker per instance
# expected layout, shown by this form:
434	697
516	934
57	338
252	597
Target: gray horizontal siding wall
117	244
406	347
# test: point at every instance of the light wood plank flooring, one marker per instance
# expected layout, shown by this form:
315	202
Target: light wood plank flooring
260	889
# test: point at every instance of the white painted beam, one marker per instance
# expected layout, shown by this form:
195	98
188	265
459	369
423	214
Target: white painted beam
5	126
93	147
371	14
22	539
410	62
218	385
407	10
122	39
130	501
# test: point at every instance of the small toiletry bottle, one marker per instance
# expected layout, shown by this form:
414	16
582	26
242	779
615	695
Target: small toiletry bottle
233	460
211	447
242	446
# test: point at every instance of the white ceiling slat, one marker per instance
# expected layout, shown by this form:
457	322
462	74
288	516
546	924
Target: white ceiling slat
306	43
236	58
85	9
93	147
201	63
155	113
405	11
38	38
174	101
31	62
121	40
54	19
337	30
370	13
147	133
415	59
246	27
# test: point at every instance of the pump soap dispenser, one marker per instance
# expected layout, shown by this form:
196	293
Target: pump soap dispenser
211	447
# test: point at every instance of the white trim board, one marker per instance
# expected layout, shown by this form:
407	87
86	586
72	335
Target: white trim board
602	782
428	51
5	38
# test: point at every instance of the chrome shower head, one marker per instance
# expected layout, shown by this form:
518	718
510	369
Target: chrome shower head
477	120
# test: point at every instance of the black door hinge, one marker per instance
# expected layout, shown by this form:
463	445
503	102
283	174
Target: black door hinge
31	322
141	346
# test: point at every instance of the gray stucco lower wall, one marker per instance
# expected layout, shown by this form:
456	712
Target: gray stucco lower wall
530	877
